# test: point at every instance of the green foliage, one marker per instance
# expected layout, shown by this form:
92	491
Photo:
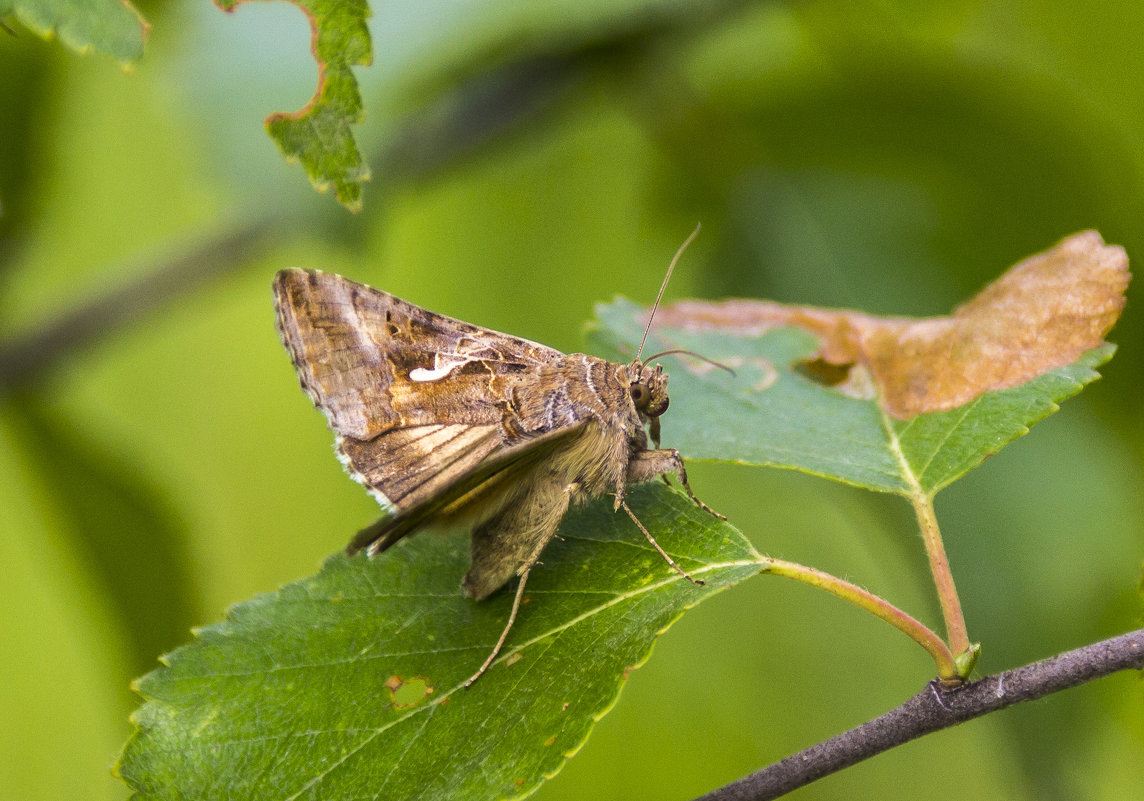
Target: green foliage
886	156
111	27
770	413
116	522
349	684
319	135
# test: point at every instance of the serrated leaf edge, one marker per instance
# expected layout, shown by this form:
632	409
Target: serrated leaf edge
757	561
508	652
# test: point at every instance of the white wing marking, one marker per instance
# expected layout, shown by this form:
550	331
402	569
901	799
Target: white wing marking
443	364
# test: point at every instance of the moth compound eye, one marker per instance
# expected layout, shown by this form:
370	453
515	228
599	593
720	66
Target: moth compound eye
659	408
640	394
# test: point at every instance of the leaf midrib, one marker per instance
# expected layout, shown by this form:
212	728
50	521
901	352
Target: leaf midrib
373	734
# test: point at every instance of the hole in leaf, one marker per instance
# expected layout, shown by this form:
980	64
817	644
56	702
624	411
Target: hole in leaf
403	694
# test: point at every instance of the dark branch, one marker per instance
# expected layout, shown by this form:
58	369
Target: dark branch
483	109
25	358
486	109
934	709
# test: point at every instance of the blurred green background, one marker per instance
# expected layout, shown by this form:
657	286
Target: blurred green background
158	461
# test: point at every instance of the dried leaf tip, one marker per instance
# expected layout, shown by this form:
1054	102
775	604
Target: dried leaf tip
1042	314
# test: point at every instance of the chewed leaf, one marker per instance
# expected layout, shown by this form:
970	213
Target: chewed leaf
348	684
891	404
112	27
319	135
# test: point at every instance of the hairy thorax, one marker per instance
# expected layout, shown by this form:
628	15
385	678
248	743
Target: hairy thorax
580	388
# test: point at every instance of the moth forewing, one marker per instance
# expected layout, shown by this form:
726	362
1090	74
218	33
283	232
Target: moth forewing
448	422
355	347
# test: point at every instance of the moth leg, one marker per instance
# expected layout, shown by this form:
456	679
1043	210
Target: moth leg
659	548
504	634
511	541
532	521
647	465
653	433
550	532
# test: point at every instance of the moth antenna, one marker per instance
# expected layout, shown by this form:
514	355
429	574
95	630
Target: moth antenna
663	286
699	356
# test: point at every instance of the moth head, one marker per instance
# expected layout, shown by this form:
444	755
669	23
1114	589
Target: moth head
648	387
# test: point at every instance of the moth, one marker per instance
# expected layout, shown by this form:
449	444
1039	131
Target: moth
447	422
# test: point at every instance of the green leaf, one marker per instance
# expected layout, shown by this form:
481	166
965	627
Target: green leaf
938	448
348	684
115	520
319	135
770	413
112	27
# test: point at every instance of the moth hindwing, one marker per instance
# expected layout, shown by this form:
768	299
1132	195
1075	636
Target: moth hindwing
444	421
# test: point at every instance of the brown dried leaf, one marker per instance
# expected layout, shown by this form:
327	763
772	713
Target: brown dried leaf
1041	315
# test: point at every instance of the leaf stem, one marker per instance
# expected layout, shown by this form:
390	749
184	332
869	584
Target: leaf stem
946	665
943	579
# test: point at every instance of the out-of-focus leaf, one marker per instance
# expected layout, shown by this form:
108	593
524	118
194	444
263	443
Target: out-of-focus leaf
319	135
112	27
117	519
348	684
888	404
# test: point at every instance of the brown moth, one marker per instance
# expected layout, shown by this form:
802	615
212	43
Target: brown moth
445	422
